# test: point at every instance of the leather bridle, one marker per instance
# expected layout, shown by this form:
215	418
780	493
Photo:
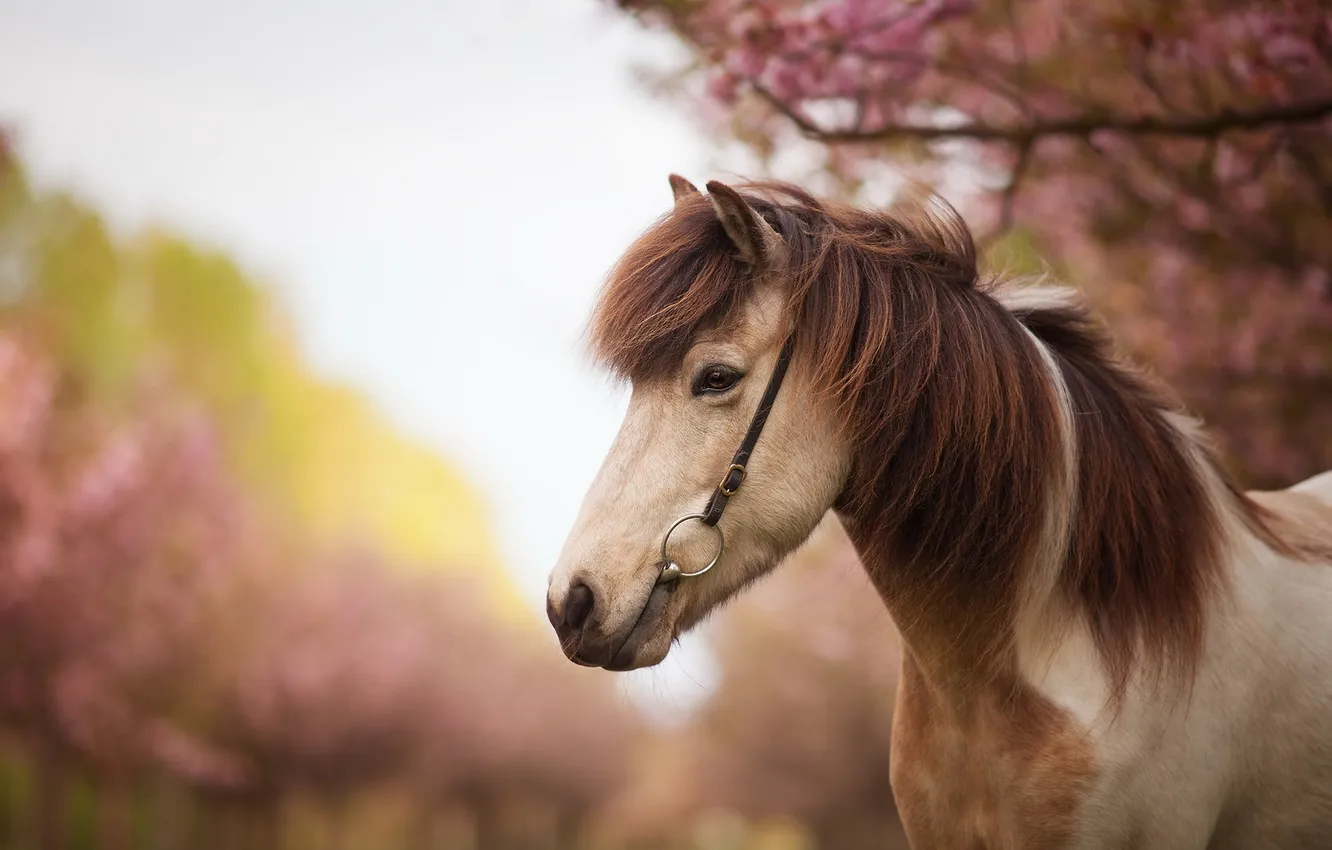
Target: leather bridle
734	477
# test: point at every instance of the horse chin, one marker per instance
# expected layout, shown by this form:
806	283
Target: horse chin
649	640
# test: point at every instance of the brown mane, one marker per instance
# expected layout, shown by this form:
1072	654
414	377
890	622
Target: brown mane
955	423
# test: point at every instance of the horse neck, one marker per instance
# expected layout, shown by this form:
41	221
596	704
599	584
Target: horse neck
1124	530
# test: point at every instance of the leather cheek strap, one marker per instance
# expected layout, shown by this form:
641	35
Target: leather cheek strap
735	475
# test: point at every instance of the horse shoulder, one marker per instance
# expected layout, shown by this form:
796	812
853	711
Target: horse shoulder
1010	771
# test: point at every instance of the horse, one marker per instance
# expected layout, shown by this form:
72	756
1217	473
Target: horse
1107	643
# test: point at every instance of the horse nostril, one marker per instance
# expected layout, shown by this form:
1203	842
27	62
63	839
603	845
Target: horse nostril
578	606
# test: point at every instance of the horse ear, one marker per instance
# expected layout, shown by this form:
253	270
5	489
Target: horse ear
753	237
682	188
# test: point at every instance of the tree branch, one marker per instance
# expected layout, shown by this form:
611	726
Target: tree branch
1190	127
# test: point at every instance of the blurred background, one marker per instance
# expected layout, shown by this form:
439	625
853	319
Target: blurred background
295	414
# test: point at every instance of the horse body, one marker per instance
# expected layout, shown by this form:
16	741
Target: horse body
1243	761
1106	643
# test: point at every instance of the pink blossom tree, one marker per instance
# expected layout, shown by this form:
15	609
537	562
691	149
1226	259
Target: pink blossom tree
114	541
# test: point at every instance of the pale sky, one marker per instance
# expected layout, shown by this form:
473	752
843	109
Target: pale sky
435	188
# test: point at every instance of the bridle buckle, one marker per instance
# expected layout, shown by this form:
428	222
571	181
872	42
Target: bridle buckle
737	470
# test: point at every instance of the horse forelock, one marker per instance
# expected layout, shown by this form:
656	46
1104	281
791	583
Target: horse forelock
678	278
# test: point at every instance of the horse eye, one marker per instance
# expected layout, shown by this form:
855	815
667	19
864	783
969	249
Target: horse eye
715	379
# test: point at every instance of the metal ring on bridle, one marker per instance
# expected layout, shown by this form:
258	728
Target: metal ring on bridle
670	570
